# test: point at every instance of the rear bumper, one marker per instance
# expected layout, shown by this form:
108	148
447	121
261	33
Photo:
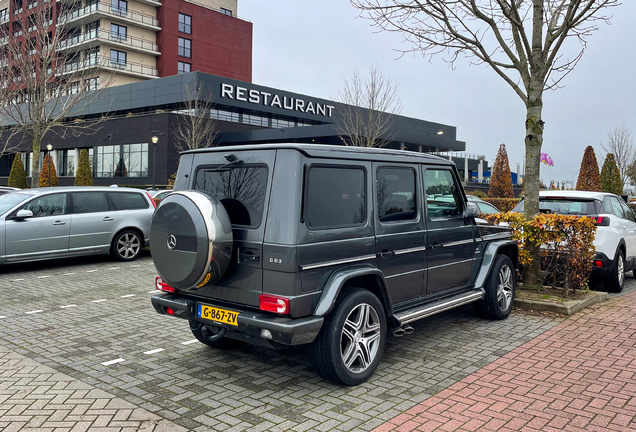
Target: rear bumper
283	330
607	264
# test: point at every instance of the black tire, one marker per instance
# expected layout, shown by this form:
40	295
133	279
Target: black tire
615	281
326	352
500	290
126	246
203	333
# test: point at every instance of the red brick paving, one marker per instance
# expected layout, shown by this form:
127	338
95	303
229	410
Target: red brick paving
579	376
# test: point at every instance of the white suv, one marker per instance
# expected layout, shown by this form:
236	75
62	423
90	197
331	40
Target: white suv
615	240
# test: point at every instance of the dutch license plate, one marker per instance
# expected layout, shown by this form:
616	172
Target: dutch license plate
217	315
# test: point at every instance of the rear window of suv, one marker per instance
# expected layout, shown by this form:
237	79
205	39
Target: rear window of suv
240	190
564	206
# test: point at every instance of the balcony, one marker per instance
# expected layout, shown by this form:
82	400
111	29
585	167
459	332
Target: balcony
107	64
115	13
4	18
105	37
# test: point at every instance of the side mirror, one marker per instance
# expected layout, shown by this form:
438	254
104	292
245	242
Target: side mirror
23	214
472	210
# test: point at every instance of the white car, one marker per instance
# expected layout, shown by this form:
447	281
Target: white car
615	240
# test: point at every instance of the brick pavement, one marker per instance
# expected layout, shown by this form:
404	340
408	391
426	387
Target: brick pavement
578	376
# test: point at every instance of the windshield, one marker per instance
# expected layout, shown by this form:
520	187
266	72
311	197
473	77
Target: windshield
564	206
7	201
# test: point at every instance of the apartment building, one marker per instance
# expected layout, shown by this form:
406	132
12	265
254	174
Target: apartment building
126	41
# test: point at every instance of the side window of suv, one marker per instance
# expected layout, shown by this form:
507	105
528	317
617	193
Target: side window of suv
629	214
90	202
443	198
395	194
335	197
47	205
617	209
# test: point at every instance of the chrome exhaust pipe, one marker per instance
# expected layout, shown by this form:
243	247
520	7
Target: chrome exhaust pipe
408	329
398	332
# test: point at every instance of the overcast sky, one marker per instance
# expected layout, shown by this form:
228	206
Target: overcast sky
308	47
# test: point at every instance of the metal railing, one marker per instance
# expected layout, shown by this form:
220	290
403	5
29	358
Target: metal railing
110	10
105	35
460	155
4	18
108	63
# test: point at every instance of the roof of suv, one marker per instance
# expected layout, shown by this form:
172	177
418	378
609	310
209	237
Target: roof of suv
573	194
336	151
39	191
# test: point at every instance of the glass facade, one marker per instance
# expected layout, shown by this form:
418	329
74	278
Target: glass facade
127	160
66	163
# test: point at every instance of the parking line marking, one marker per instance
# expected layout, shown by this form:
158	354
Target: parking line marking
190	342
2	316
35	311
67	306
15	280
136	265
129	295
68	274
91	271
98	301
110	362
42	277
154	351
113	268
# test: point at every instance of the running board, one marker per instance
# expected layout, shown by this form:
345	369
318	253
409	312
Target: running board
439	306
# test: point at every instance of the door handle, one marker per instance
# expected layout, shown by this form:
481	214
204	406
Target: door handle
436	246
385	254
59	223
108	219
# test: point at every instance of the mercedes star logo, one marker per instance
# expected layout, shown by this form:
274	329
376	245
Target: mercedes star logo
172	242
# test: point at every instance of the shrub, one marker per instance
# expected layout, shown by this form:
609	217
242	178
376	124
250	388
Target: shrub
48	178
84	176
566	242
610	176
589	178
17	176
503	204
501	179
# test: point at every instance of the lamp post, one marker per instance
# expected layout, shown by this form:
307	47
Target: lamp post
49	147
155	140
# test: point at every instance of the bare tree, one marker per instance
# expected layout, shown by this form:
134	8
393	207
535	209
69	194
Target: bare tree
42	81
364	119
620	144
522	41
195	128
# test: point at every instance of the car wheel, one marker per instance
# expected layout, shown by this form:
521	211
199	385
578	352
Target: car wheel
616	279
126	246
203	333
500	290
351	342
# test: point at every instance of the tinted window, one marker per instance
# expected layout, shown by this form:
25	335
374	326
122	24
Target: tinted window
128	200
395	190
442	196
335	197
90	202
48	205
241	190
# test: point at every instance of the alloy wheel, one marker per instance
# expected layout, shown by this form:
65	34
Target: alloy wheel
128	245
505	288
360	338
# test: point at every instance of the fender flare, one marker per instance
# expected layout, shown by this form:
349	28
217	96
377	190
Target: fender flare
490	252
337	280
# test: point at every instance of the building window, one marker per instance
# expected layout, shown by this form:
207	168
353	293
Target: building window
185	47
118	33
226	11
92	84
66	162
127	160
255	120
119	6
183	67
73	88
224	115
185	23
4	15
117	58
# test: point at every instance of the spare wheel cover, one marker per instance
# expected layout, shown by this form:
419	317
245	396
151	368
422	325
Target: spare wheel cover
190	237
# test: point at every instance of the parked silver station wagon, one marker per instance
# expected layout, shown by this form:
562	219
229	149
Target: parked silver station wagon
37	224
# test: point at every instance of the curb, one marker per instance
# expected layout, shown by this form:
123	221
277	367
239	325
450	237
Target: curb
568	307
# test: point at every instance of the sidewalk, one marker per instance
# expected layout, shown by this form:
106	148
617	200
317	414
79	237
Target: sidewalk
578	376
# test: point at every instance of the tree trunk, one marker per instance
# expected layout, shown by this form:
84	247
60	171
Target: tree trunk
531	182
35	164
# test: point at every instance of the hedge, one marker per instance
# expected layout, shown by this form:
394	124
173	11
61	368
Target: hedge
503	204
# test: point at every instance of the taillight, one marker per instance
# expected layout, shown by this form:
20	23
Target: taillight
162	286
152	200
270	303
601	220
598	264
169	311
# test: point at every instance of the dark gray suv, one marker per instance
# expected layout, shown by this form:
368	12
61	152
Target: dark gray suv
329	246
